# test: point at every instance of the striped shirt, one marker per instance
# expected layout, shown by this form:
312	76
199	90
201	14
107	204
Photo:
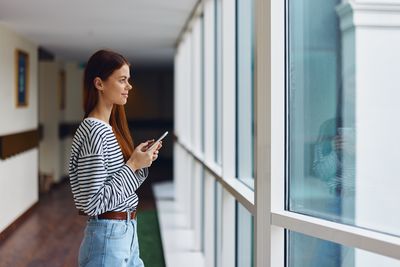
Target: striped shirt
99	178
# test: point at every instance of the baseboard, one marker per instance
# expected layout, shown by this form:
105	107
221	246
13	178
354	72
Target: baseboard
14	225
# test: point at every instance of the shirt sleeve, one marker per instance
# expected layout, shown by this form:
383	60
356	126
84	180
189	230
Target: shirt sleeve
102	192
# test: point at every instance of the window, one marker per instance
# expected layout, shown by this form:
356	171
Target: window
321	122
332	149
218	224
321	187
320	252
218	81
202	83
244	237
244	91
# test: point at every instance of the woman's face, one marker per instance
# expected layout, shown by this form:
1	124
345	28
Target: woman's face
116	87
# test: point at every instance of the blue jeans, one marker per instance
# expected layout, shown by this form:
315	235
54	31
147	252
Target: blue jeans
110	243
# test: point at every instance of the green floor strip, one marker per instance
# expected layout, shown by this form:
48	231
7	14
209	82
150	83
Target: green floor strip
151	251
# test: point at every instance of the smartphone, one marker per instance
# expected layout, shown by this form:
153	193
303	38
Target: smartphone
158	140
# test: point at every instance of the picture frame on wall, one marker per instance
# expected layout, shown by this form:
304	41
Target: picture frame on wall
22	77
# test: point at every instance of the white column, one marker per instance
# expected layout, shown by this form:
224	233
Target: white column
370	45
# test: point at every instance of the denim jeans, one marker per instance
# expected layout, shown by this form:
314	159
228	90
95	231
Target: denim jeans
110	243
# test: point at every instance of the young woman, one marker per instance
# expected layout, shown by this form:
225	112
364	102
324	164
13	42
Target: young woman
105	169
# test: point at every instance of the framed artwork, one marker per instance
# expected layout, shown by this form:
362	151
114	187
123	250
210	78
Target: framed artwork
61	89
21	77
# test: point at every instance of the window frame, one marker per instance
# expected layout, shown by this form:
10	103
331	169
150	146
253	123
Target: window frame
271	217
267	202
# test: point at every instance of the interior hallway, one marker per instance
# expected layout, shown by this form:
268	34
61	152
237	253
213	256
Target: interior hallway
51	234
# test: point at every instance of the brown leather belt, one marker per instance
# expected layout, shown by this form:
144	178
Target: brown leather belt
113	215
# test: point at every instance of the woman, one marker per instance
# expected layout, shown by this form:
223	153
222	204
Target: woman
105	170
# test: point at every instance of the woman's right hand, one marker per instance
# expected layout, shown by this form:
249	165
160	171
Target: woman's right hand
141	158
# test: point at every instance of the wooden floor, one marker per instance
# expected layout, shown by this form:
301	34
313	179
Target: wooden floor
51	235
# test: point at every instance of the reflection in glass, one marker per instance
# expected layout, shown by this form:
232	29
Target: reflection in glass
321	115
321	125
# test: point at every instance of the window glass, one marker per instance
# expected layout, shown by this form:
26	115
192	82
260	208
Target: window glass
202	102
340	163
218	81
218	224
313	252
244	91
321	124
245	237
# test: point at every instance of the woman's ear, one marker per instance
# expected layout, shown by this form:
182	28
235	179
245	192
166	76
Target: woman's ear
98	83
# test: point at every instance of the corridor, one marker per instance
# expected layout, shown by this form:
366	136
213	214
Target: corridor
51	234
282	119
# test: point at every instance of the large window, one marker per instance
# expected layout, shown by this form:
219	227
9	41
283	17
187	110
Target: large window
300	104
321	136
202	84
244	91
218	225
313	252
327	177
218	81
244	240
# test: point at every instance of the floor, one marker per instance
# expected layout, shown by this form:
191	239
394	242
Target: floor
50	236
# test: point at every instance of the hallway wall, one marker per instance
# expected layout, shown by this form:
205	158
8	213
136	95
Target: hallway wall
18	174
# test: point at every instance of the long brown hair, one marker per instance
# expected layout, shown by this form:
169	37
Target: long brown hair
102	64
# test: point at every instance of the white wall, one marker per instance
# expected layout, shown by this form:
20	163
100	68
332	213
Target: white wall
377	117
16	119
55	153
18	174
371	76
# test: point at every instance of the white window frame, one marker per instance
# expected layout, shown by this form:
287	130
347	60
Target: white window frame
271	217
267	202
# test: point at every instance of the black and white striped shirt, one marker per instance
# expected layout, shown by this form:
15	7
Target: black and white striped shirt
100	180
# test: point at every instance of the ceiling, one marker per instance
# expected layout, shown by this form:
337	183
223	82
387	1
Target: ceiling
143	30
